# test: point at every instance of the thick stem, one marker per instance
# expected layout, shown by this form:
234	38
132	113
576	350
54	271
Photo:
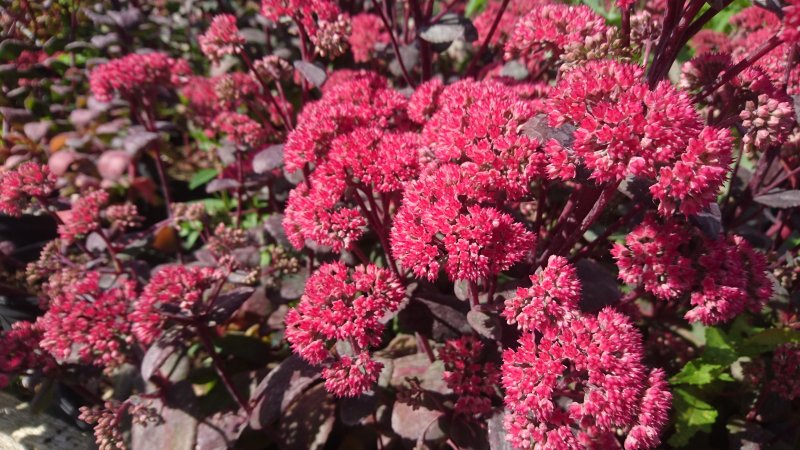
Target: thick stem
287	120
486	40
739	67
425	346
162	175
626	26
605	198
219	366
395	47
240	188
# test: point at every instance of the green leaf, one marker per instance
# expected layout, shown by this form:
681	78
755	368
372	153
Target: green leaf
692	415
719	347
768	340
698	372
202	177
474	7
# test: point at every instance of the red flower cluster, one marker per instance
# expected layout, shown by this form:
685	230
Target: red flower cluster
347	307
583	380
84	216
175	289
306	13
367	32
472	380
88	323
722	277
622	129
20	351
222	38
18	186
240	129
137	75
436	228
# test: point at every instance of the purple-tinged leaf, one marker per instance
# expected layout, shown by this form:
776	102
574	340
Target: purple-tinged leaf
497	432
138	140
228	303
221	430
36	131
307	423
268	159
485	324
155	357
538	128
449	28
780	199
222	184
274	226
709	220
113	164
599	286
414	424
280	388
313	74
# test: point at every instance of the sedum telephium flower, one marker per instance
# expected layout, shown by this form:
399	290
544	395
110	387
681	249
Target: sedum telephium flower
478	125
367	32
581	387
550	302
785	367
137	75
20	351
721	277
84	216
222	38
346	306
306	13
175	289
472	380
653	257
18	186
434	228
240	129
88	323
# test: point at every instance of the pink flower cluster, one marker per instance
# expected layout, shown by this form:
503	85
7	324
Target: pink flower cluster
84	216
514	11
623	128
222	38
88	323
306	13
549	30
437	228
18	186
785	365
367	32
472	379
175	289
20	351
344	307
137	75
722	277
240	129
582	382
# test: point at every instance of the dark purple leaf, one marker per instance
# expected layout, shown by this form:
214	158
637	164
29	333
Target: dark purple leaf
449	28
113	164
780	199
352	411
795	103
307	422
484	324
155	357
709	220
177	429
102	41
635	188
313	74
294	285
268	159
415	424
222	184
419	366
599	286
138	140
221	430
15	114
59	163
774	6
279	388
274	226
228	303
447	320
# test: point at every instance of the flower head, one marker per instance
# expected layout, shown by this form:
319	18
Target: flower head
20	351
222	38
18	186
472	379
367	32
136	75
351	376
240	129
175	289
84	216
88	323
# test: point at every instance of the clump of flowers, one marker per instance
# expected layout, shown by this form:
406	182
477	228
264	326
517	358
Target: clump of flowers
331	39
723	278
367	32
88	323
174	289
84	216
472	380
137	75
18	186
346	306
222	38
21	351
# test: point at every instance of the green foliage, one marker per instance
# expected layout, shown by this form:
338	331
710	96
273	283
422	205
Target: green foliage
703	377
474	7
201	177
